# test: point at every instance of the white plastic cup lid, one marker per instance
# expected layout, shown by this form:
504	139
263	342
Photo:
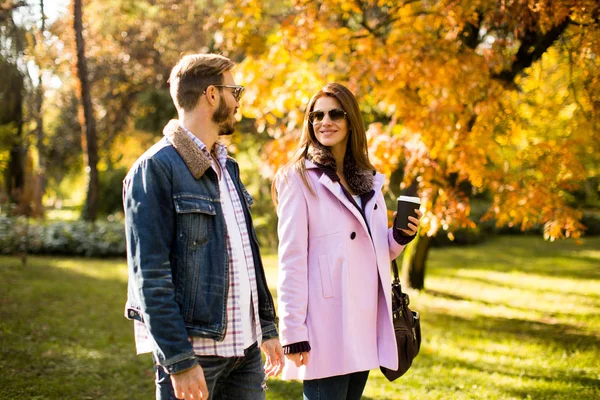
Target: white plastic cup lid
410	199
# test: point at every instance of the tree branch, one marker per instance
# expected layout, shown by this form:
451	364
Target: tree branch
533	46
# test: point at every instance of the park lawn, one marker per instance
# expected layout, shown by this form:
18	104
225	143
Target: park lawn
514	318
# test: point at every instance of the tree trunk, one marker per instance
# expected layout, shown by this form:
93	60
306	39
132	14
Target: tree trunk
15	172
40	183
86	117
413	263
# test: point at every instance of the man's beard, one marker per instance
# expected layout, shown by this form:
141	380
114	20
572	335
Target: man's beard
223	118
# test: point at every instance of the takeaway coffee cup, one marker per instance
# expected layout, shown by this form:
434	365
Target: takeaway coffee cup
406	208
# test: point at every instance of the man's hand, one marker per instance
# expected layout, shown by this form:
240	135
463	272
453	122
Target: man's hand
274	352
299	358
190	384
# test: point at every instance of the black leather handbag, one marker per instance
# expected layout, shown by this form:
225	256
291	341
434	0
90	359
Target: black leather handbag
407	327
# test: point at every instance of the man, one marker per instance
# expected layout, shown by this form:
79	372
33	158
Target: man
197	289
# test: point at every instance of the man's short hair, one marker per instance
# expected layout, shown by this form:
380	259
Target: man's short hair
193	74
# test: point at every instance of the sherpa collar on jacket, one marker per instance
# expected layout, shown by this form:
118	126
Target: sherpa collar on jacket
196	161
360	181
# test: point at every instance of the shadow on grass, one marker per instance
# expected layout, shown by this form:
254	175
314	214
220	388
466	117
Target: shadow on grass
455	297
589	386
567	393
509	355
511	340
592	299
525	254
514	336
566	336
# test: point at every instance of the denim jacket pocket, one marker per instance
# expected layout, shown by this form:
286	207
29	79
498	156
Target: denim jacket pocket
195	218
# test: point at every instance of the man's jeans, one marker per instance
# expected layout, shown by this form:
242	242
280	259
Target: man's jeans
340	387
239	378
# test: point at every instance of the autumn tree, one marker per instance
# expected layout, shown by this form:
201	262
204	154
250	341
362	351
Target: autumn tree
454	86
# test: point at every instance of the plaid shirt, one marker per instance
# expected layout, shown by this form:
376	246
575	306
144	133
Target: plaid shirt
233	344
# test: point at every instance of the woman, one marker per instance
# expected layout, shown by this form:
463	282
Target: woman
334	254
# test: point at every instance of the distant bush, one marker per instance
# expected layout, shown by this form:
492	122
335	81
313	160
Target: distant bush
12	234
77	238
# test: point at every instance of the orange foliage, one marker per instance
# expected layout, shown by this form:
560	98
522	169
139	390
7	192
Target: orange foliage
502	97
463	93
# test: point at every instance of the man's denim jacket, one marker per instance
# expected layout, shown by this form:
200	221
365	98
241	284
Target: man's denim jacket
176	249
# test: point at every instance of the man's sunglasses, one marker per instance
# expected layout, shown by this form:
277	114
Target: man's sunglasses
335	114
237	90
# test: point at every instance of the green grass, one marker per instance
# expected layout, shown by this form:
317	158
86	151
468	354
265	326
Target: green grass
515	318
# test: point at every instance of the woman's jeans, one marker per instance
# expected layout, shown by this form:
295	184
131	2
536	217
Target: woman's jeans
340	387
239	378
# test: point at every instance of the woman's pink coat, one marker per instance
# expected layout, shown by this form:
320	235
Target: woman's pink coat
334	278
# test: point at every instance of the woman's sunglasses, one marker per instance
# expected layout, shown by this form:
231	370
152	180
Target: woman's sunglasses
237	90
335	114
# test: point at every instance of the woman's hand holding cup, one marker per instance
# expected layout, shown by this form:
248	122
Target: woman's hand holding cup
406	219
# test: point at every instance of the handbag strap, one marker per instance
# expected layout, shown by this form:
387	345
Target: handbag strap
395	270
396	281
